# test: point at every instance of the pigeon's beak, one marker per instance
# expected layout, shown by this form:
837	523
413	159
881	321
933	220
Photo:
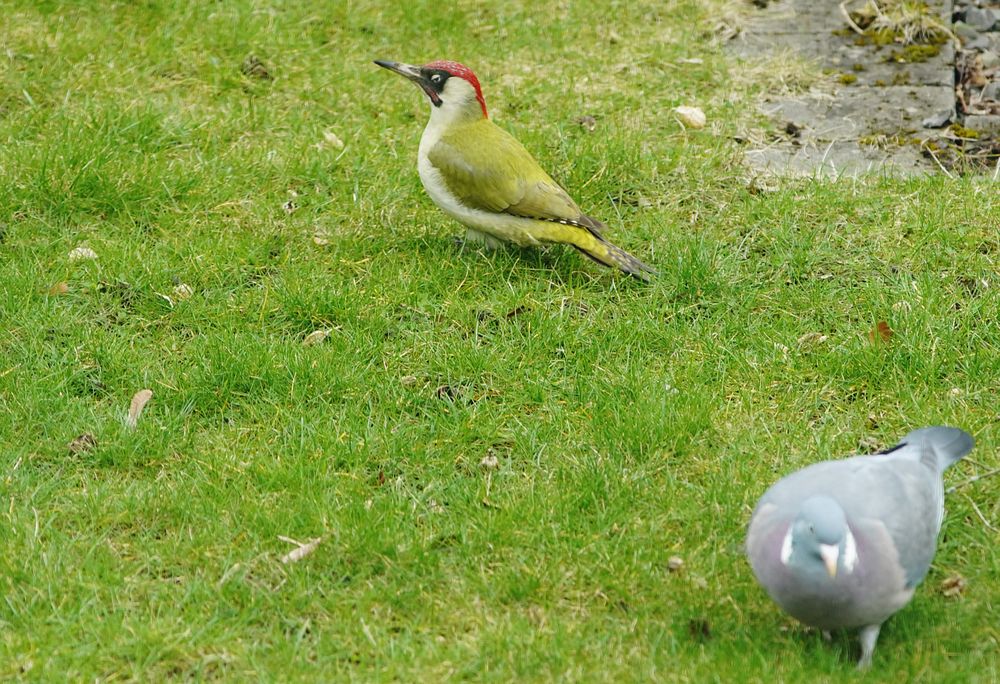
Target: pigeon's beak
830	553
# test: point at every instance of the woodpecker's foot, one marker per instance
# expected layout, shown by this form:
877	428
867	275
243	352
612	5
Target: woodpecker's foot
478	239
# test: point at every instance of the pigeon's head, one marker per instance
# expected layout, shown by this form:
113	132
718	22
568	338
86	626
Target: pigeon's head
819	538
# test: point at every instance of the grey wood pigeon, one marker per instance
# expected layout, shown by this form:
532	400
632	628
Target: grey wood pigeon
843	544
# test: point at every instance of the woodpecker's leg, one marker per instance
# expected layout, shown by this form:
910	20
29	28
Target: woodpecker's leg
474	237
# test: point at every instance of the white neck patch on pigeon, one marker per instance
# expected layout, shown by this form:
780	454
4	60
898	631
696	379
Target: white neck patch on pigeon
850	552
850	558
786	547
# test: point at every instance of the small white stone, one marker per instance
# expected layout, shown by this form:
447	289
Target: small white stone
691	117
315	337
82	253
331	138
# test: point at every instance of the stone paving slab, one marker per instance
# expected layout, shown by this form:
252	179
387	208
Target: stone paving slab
989	124
878	98
859	112
840	54
844	158
819	16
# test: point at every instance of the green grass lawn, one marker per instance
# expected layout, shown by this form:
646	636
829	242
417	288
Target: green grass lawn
500	451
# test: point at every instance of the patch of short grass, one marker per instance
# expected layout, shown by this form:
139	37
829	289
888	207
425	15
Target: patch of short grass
501	451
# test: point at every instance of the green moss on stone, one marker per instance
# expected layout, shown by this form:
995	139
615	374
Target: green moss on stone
962	132
912	54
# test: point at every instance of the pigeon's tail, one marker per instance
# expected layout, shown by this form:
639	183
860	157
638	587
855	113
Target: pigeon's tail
946	445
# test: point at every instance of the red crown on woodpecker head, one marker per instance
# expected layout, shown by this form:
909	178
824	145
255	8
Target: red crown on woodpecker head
460	71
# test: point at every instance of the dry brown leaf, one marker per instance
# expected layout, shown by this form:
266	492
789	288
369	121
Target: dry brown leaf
869	445
953	586
82	444
253	67
588	123
321	237
812	338
135	408
880	333
183	291
59	288
700	629
301	550
675	563
315	337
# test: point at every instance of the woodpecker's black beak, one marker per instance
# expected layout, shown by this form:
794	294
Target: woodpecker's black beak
414	74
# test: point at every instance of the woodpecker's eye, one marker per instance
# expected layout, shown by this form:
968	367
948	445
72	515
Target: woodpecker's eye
436	78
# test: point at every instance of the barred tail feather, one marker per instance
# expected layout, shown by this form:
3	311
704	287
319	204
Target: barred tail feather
607	254
584	233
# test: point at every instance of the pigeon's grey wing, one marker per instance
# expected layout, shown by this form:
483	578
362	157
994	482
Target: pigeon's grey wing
907	498
767	529
764	520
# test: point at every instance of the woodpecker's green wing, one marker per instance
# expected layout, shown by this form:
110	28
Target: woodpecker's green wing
487	168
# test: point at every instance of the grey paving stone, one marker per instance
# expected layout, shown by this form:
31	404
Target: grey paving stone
840	55
805	16
855	112
881	97
989	124
845	158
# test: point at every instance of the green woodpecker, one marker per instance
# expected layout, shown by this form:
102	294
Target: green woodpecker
482	177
